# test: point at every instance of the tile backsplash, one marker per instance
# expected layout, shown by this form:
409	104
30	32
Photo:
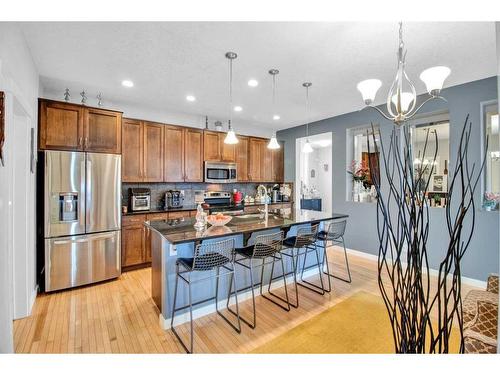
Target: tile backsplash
158	190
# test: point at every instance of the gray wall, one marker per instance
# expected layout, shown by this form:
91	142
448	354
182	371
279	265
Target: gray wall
482	257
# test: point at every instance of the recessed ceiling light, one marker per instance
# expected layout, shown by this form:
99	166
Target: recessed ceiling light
253	83
190	98
127	83
238	109
276	117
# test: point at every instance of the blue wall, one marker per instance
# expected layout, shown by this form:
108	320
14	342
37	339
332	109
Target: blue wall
482	257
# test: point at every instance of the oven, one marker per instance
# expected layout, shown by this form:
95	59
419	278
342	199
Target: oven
220	172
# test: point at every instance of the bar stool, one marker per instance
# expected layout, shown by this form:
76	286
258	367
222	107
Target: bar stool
334	234
207	257
266	246
305	239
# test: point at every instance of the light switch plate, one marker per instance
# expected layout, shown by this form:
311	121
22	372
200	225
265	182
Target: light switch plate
172	250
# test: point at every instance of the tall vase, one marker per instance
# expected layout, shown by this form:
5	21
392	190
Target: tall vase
358	186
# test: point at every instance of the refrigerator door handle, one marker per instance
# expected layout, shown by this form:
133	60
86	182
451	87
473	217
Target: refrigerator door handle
58	242
88	192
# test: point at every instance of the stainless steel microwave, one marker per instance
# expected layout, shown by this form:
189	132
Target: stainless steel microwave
218	173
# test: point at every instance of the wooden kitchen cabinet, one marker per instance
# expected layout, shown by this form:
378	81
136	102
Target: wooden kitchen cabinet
254	159
173	154
211	150
215	149
266	163
72	127
278	165
103	131
60	126
242	158
153	152
132	150
142	156
193	155
133	240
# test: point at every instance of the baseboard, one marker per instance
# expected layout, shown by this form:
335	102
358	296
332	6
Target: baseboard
465	280
209	309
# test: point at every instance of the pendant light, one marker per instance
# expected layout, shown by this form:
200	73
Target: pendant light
231	138
402	97
307	147
273	142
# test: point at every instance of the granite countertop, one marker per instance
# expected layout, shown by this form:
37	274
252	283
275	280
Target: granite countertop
190	207
182	230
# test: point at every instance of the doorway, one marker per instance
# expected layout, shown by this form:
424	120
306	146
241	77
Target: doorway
313	174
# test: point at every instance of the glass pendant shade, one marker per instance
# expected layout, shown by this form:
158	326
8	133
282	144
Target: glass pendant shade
307	149
273	143
434	78
406	99
231	138
368	89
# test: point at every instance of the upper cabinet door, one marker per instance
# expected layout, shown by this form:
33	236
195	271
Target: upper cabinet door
153	152
227	152
211	146
266	163
103	131
254	160
278	165
61	126
242	158
132	155
173	154
193	155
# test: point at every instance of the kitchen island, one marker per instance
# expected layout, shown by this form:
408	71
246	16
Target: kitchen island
171	239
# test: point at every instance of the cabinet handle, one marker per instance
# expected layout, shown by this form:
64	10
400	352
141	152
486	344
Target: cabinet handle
86	142
80	140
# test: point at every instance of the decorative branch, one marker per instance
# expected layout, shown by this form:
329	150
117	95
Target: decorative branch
403	227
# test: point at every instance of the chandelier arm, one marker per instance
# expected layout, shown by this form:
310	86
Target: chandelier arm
413	92
423	103
379	111
391	94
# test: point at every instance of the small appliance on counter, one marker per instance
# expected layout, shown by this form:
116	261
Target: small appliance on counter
276	195
140	199
174	199
237	197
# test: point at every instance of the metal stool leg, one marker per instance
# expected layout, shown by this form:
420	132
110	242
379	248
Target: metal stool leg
254	323
348	280
286	299
237	313
174	310
307	284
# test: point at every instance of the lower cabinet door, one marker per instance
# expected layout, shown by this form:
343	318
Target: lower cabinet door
133	248
80	260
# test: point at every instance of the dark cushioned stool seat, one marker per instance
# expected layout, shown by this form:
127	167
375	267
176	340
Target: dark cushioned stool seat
246	251
216	258
290	241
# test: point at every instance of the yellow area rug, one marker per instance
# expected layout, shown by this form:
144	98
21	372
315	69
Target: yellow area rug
359	324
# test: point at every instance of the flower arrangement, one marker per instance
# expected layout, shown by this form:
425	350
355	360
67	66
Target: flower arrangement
490	201
358	170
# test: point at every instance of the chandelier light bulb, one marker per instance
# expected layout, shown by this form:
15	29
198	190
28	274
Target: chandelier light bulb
276	117
307	149
273	143
406	99
434	78
368	89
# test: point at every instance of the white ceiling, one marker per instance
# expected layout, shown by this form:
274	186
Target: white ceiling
169	60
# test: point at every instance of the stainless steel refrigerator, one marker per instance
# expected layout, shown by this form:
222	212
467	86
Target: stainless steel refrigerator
82	194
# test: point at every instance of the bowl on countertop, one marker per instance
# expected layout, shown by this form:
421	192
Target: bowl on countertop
218	220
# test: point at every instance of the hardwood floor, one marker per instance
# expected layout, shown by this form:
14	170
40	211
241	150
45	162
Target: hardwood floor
120	317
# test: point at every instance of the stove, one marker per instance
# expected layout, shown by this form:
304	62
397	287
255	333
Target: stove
220	201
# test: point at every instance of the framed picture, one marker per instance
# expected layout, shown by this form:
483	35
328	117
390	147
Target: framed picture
438	183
